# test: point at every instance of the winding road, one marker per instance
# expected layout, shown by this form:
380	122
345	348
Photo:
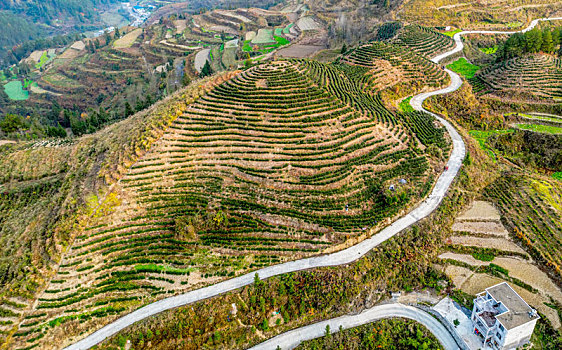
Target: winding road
342	257
291	339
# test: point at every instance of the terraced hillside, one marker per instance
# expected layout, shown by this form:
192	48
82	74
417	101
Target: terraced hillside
423	40
286	160
489	14
532	77
481	253
387	66
533	213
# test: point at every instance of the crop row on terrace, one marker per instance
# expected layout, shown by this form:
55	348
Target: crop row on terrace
260	170
536	76
390	65
532	211
423	40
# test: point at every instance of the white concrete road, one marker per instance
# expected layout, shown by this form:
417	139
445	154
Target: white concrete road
459	44
291	339
345	256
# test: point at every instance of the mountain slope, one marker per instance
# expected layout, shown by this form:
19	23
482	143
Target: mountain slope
285	160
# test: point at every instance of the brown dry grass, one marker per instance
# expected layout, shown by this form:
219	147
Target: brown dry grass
497	243
127	40
480	211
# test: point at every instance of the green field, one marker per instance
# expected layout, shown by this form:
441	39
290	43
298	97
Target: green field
482	136
541	128
539	117
514	24
15	91
247	47
405	105
452	33
264	36
489	50
288	28
557	175
463	67
279	41
44	58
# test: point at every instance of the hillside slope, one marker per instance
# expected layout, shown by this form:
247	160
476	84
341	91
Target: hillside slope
47	188
286	160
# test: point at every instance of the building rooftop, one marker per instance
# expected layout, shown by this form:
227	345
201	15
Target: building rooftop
519	312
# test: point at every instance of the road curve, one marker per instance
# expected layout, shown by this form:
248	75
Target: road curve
459	44
291	339
345	256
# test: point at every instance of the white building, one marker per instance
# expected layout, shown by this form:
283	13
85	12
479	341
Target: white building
502	319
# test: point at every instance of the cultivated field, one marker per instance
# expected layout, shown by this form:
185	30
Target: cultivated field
532	77
533	210
395	70
490	14
128	39
265	168
425	41
479	258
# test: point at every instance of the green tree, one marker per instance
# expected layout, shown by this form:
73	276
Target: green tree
556	36
547	43
533	40
206	70
128	109
12	123
343	49
185	81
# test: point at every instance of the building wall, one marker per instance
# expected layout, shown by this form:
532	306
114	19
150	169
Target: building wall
519	335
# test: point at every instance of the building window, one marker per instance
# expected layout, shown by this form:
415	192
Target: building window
499	335
501	327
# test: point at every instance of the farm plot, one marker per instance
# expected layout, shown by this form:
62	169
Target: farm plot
532	210
299	51
15	91
391	65
531	77
283	161
180	24
479	257
308	23
128	39
264	36
425	41
540	128
464	68
200	58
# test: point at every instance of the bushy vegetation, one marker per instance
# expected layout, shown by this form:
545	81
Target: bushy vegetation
532	211
423	40
401	263
533	41
464	68
391	334
530	149
414	70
